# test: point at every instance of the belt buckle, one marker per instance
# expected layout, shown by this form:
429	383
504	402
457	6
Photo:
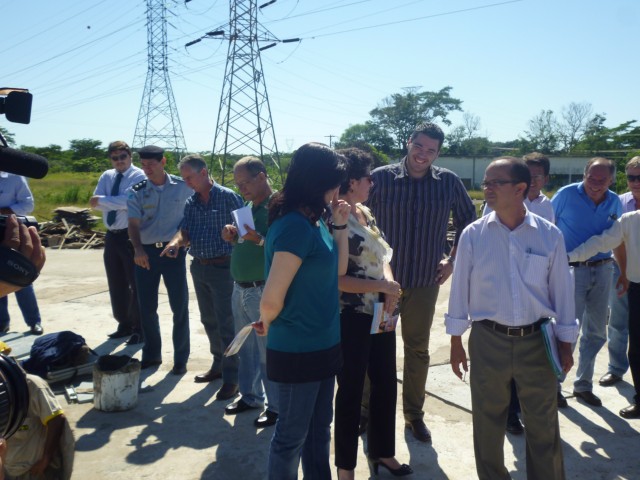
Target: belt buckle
159	244
519	331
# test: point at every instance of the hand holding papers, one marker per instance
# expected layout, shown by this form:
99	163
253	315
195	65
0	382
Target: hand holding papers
383	321
551	346
242	217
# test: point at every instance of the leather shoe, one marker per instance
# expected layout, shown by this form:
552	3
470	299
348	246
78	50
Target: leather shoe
237	407
562	402
228	390
632	411
266	419
609	379
208	376
135	339
149	363
589	398
419	430
4	329
514	425
120	333
179	370
37	329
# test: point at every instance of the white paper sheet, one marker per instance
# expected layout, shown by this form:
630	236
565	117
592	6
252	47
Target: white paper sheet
242	217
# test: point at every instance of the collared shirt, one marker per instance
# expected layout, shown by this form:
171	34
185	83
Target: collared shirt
627	201
626	229
541	206
108	202
159	208
247	259
15	194
414	215
204	223
579	218
513	277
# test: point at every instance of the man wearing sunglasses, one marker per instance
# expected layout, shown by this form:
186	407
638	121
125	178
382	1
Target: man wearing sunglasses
110	197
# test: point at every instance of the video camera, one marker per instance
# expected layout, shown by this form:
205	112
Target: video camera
14	396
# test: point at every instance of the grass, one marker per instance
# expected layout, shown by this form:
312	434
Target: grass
62	189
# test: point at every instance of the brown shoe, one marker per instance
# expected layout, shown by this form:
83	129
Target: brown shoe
208	376
419	430
228	390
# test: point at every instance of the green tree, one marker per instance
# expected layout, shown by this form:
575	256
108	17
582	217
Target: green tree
399	114
368	133
543	132
8	136
86	148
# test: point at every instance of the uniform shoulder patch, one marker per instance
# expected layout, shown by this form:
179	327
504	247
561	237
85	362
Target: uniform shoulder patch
176	178
140	185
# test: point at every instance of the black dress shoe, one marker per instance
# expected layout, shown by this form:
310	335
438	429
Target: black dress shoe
120	333
419	430
149	363
632	411
266	419
237	407
228	390
589	398
135	339
208	376
514	425
179	370
609	379
37	329
562	402
4	329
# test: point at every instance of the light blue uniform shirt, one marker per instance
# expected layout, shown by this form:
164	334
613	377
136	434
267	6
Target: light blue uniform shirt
108	202
579	218
159	208
15	194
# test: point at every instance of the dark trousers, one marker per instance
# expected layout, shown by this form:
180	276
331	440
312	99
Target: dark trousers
376	355
119	265
634	336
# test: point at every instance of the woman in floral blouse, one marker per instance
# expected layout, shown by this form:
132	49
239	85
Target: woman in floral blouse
368	281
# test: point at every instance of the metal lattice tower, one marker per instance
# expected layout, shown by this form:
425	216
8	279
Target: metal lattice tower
158	121
244	125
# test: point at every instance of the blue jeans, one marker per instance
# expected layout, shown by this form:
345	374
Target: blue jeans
592	285
252	371
214	287
28	306
618	329
174	274
303	429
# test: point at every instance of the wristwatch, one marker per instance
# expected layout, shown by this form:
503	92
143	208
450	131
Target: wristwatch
261	242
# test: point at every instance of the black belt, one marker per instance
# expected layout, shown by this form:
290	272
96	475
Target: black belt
592	263
156	245
514	331
213	261
257	283
119	232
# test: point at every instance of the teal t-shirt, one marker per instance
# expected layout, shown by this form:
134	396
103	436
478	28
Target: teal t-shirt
310	319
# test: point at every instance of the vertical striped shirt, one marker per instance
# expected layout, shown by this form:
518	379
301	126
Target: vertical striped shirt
414	215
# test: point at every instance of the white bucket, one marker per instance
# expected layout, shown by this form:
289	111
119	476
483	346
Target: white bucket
116	390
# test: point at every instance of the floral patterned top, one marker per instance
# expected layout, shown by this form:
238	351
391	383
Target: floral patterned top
368	253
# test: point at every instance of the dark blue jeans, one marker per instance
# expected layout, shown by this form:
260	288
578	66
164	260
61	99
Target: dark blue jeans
28	306
174	274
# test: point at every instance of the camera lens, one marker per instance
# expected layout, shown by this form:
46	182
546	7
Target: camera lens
14	396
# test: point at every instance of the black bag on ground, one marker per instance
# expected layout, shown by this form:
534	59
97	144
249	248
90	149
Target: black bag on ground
55	351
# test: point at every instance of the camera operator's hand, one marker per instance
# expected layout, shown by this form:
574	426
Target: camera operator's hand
27	242
3	450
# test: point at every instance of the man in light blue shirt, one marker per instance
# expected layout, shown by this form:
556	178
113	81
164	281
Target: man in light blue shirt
582	210
110	196
15	197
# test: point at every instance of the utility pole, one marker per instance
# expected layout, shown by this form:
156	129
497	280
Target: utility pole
244	125
158	121
330	137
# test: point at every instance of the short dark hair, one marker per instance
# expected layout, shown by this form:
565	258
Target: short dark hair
314	169
253	165
519	171
193	161
431	130
118	145
358	164
537	159
610	164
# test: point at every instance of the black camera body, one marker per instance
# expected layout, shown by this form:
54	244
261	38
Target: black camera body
14	396
26	220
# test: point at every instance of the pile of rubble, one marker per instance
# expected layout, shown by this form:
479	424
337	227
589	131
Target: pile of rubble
72	227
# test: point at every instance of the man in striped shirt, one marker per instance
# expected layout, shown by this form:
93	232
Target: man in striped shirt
412	201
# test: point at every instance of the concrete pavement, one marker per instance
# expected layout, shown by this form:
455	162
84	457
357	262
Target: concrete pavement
179	431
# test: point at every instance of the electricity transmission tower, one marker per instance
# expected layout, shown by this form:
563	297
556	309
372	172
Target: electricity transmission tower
244	124
158	122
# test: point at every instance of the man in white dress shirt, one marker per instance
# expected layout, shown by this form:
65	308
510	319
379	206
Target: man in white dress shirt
510	276
110	196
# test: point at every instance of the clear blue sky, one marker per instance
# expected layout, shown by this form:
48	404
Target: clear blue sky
86	63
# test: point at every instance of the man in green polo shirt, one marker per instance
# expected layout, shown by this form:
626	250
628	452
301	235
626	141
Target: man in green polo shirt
247	270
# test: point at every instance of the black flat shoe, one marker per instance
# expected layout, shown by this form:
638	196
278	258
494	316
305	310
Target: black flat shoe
37	329
401	471
135	339
589	398
562	402
150	363
238	407
609	379
419	430
120	333
266	419
632	411
514	426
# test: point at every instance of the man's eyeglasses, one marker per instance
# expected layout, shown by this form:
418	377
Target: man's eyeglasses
633	178
496	183
246	182
122	156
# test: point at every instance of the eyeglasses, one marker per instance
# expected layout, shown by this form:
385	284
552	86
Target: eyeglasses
496	183
537	178
633	178
246	182
122	156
